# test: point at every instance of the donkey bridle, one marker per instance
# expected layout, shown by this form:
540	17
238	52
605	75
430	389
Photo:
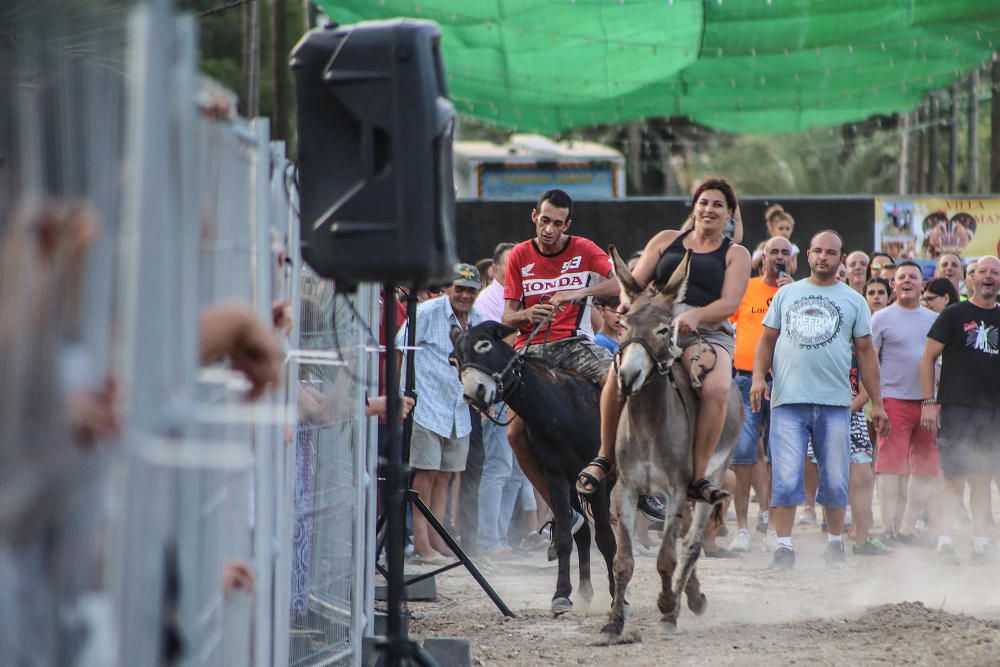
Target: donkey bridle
511	370
512	367
662	365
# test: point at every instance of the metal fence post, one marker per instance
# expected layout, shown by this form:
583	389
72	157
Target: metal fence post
263	432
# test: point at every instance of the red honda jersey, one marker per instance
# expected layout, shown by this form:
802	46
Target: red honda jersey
532	277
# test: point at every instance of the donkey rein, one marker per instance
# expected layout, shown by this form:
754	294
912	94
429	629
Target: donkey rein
495	420
498	377
524	348
676	351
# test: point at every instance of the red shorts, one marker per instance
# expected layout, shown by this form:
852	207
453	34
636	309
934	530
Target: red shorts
909	449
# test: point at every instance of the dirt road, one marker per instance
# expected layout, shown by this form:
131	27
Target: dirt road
903	609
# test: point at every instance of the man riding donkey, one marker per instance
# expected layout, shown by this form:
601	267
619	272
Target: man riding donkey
717	277
550	279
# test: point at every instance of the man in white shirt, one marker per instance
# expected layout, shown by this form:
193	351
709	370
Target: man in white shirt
500	469
439	444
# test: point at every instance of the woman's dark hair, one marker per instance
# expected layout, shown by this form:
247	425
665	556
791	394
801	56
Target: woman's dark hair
892	262
717	184
483	266
879	281
943	287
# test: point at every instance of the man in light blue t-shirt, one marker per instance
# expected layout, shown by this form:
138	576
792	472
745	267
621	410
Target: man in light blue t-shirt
810	332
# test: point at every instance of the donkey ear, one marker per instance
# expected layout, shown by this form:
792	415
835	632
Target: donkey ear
497	330
455	332
676	287
624	276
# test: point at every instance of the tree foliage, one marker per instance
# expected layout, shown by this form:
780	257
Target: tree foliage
221	43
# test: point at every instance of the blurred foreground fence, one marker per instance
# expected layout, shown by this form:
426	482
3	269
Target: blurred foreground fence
119	554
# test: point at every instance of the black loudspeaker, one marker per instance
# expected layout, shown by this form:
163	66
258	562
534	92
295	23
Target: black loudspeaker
375	132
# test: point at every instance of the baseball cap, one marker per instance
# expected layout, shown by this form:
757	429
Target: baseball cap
466	275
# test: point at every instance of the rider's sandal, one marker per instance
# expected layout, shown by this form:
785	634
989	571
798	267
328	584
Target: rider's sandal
703	492
586	483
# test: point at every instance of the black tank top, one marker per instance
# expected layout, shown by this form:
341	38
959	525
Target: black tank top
706	275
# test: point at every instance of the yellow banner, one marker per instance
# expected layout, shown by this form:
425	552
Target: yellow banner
927	227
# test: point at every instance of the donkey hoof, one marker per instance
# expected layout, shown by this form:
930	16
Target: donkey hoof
612	632
668	627
667	604
561	605
698	604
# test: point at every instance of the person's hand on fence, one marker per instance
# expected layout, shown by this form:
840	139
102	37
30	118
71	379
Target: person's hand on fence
376	407
215	106
237	575
47	240
64	231
93	413
281	312
231	330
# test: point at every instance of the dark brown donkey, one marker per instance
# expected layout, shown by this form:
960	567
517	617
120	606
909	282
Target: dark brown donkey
655	444
561	412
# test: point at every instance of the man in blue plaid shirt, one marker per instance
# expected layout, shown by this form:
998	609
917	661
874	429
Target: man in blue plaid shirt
439	444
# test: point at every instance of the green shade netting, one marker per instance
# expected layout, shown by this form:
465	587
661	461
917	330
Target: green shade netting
750	66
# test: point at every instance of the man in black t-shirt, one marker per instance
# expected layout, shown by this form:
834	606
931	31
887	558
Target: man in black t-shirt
966	336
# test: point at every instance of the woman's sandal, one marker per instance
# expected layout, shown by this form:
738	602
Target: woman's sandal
702	491
586	483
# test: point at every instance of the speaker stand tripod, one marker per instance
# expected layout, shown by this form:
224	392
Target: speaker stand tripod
398	648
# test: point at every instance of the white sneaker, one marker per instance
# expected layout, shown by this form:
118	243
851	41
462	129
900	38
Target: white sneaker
640	550
771	541
741	541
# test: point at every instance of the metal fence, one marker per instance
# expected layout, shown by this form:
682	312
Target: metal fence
195	211
334	478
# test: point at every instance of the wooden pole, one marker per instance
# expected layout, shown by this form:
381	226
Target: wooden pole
973	134
953	140
933	121
279	66
633	159
919	169
904	151
995	125
251	59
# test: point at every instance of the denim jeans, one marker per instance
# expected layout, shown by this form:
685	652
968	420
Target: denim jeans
498	469
516	491
746	447
791	427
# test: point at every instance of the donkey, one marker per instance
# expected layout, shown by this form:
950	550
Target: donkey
655	444
561	412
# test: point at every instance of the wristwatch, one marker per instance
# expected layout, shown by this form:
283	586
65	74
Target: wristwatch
928	401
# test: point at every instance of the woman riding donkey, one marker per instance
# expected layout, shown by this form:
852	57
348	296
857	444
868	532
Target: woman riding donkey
717	278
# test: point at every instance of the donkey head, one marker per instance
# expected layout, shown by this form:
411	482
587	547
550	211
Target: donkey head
481	357
647	347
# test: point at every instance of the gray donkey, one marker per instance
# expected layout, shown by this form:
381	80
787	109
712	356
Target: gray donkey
655	444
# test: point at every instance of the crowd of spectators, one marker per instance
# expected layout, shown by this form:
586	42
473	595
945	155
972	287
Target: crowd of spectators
838	418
